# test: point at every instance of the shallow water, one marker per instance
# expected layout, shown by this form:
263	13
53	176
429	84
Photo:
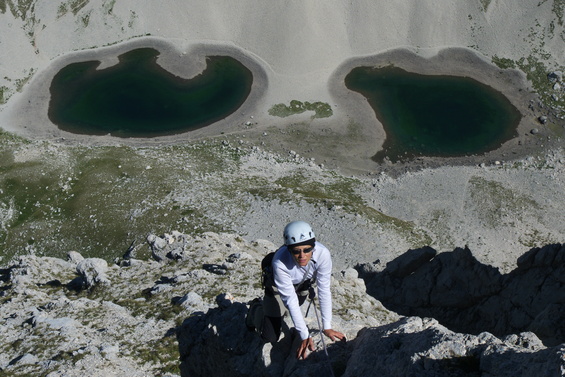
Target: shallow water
434	115
138	98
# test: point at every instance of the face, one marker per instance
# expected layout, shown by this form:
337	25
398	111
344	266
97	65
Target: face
302	254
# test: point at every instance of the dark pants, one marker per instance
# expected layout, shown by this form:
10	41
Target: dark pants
268	319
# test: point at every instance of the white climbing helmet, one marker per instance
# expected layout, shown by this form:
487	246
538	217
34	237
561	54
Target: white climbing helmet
297	232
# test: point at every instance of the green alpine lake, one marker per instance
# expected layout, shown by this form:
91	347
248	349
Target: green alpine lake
426	115
138	98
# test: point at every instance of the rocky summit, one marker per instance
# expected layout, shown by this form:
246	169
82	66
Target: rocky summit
301	146
181	313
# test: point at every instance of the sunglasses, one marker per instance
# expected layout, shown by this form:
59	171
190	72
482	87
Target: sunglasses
305	251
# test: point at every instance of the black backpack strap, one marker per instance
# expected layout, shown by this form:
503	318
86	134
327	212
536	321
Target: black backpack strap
267	279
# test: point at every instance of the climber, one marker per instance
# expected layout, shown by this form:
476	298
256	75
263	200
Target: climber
296	267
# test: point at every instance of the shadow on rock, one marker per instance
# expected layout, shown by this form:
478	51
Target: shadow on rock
468	296
218	343
421	347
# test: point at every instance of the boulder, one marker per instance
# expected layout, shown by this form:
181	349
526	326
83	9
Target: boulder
74	257
555	76
422	347
93	272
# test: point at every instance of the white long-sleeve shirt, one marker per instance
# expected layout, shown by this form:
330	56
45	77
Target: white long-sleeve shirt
287	273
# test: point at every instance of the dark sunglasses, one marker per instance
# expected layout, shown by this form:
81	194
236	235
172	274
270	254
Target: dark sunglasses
305	251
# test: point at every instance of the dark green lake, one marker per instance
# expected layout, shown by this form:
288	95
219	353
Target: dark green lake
138	98
442	116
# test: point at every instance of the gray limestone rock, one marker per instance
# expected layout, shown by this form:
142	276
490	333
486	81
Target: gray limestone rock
421	347
555	76
93	271
168	319
468	296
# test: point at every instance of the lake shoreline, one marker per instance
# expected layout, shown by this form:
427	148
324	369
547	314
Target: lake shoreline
26	115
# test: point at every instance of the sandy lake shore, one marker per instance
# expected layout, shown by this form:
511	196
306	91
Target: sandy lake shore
297	52
27	114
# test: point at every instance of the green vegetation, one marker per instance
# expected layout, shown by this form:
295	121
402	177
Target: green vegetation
163	352
500	205
485	4
338	192
21	82
97	200
62	10
20	9
536	72
321	109
503	63
77	5
130	296
109	6
43	349
132	18
559	10
85	19
534	238
3	89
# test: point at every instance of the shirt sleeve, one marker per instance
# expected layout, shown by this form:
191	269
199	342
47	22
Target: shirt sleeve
324	271
283	281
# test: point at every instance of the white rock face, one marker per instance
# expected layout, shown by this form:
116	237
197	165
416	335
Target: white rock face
421	347
93	270
186	317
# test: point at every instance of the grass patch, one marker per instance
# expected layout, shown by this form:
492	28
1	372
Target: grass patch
320	109
98	200
85	19
503	63
163	352
338	192
76	5
558	10
535	238
21	82
109	6
500	205
20	9
4	90
536	72
62	10
485	4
